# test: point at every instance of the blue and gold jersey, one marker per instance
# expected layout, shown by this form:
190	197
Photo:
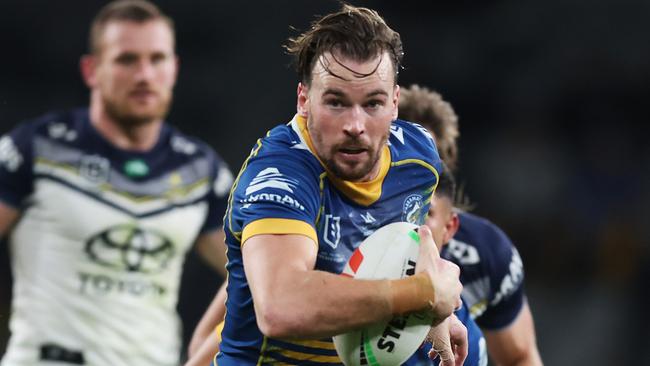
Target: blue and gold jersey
284	189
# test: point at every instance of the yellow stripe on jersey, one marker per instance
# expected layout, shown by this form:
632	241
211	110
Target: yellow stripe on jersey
278	226
314	344
262	350
231	196
419	162
218	329
426	165
478	308
363	193
303	356
177	191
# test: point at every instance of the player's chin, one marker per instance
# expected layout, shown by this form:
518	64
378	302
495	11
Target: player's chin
353	173
146	113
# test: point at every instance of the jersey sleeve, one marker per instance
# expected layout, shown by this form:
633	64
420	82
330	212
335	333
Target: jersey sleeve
507	283
276	194
16	175
222	180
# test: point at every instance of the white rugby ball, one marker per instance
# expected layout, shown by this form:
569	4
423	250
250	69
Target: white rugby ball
391	252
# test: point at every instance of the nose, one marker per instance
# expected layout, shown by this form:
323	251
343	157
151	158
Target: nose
355	124
145	70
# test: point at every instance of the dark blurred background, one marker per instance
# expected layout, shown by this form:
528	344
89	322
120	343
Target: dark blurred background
551	96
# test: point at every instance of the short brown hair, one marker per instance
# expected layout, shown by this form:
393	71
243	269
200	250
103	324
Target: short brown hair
355	32
138	11
426	107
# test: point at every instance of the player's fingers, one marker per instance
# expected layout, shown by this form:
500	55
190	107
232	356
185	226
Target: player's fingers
461	354
446	357
427	246
458	333
432	354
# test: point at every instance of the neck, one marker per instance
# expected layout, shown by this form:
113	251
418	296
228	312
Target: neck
142	137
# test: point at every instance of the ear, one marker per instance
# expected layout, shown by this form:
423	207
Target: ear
303	99
88	66
451	227
396	103
177	63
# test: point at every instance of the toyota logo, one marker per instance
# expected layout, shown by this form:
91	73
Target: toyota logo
130	248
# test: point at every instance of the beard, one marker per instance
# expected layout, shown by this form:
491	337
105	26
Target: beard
357	171
125	115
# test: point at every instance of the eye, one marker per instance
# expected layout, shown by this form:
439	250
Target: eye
374	104
158	58
126	59
334	103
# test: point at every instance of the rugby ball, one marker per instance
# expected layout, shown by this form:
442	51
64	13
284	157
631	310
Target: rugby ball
391	252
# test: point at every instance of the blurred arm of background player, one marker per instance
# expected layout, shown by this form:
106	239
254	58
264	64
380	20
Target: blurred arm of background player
515	344
205	339
211	247
8	217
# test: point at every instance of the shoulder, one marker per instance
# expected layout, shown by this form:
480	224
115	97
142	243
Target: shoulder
279	165
282	147
17	144
480	246
410	141
54	125
488	238
411	137
189	146
202	157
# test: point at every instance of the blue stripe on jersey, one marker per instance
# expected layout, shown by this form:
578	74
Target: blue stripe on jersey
273	356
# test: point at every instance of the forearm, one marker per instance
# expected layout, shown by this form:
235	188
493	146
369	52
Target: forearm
205	353
529	359
515	345
212	316
317	304
292	300
212	249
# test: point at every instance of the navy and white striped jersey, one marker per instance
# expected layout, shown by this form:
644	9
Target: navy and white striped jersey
491	271
98	250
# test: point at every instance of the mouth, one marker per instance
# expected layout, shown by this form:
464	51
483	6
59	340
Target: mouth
352	155
352	150
142	94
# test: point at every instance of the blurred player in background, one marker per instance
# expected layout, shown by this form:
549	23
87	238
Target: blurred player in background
314	188
491	269
103	202
441	212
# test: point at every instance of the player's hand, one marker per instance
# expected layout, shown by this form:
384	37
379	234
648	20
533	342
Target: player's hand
443	274
449	340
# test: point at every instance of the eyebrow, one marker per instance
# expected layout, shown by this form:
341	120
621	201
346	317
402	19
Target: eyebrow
339	93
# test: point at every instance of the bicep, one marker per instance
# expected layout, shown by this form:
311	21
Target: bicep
272	261
8	217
